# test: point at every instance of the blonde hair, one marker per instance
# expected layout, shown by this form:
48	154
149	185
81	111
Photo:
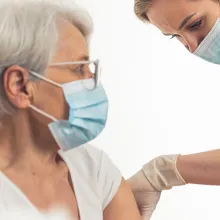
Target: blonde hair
140	9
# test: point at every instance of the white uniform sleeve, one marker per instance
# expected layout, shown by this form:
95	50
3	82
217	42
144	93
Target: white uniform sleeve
109	178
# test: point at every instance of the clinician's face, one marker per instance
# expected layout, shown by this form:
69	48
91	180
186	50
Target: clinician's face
187	20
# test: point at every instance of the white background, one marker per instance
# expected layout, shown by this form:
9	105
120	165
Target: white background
163	100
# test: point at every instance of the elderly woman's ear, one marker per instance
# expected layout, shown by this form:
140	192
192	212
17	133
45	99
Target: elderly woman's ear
16	83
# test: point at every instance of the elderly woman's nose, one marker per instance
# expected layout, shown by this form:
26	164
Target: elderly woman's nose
89	73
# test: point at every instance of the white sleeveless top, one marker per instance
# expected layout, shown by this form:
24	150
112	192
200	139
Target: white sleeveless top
94	177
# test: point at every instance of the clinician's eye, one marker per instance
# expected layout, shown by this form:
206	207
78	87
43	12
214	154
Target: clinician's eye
175	36
196	25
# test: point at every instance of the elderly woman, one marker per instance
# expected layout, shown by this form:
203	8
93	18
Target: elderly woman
51	103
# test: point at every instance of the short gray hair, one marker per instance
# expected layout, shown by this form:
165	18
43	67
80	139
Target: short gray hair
29	34
140	9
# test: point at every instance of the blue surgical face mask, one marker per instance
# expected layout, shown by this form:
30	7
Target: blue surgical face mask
209	49
88	108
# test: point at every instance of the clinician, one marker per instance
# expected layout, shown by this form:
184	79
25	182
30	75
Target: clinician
196	24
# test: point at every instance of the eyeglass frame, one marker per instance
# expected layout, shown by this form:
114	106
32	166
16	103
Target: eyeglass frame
97	67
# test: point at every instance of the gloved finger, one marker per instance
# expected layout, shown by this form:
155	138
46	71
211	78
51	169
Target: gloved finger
147	198
146	217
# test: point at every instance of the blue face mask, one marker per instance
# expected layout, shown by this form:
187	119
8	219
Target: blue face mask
88	108
209	49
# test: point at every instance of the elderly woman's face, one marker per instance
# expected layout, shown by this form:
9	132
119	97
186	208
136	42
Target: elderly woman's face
188	21
56	95
72	46
45	96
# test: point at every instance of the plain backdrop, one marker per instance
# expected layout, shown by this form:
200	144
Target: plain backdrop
163	100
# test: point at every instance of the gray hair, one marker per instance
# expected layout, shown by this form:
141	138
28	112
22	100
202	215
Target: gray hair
29	35
140	9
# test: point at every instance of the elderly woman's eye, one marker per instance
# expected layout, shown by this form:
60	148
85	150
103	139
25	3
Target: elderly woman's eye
79	69
196	25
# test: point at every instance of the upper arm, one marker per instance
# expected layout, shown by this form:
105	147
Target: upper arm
123	205
118	202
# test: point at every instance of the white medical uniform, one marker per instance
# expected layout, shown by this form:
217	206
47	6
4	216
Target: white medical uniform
95	180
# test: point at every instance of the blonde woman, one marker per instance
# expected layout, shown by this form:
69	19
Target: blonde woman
196	24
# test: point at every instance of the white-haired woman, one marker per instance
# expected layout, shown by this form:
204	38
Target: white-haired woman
51	105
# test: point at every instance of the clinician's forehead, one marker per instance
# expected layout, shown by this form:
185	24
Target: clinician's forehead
168	14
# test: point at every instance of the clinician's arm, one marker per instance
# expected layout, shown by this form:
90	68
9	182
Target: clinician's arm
123	205
167	171
200	168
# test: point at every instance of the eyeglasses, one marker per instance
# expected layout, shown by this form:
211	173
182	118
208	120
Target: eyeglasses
94	68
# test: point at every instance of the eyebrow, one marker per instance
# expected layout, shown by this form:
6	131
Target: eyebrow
183	23
86	58
185	20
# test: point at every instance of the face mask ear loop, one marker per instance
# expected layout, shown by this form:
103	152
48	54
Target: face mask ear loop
45	79
42	113
49	81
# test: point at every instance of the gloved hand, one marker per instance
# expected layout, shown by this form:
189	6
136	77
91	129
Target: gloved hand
145	195
159	174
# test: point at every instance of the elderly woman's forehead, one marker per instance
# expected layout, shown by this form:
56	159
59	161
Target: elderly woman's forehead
72	44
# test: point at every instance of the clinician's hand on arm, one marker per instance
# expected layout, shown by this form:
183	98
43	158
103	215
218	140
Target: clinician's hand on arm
157	175
123	205
164	172
146	196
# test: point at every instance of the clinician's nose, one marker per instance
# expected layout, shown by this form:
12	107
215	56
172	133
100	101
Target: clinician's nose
192	42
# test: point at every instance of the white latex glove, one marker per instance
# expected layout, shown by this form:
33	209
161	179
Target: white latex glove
159	174
145	195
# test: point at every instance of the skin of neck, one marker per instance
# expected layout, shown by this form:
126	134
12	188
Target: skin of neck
26	144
